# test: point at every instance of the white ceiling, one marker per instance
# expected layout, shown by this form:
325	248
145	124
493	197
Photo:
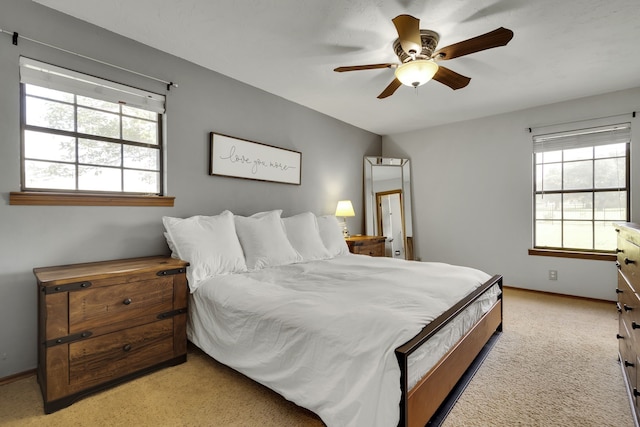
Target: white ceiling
562	49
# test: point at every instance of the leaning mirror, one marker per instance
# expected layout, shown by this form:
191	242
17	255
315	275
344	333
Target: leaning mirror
387	201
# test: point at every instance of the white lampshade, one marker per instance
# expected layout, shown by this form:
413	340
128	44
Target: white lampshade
345	208
416	73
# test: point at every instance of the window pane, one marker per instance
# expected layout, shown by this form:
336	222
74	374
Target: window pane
48	93
548	206
98	123
99	179
99	152
550	157
97	103
142	182
578	234
578	154
45	146
141	158
137	112
605	235
49	175
551	176
610	173
139	130
49	114
578	206
611	206
549	234
611	150
578	175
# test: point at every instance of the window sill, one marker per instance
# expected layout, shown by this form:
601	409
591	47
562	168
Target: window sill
598	256
81	199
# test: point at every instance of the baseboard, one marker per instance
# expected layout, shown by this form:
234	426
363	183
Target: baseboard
17	377
556	294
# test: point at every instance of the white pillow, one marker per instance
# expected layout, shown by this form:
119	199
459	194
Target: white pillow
304	235
264	241
331	235
208	243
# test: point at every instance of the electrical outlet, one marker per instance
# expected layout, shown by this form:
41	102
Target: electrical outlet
553	274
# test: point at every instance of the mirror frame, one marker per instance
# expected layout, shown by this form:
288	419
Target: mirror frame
404	175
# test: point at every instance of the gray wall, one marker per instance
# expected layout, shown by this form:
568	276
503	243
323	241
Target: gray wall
205	101
472	189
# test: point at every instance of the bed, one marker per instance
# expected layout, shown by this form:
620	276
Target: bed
360	341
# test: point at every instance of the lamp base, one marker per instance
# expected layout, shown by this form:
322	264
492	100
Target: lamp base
345	230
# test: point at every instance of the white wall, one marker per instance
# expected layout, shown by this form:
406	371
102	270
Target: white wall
472	194
32	236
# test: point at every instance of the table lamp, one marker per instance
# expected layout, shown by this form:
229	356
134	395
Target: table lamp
345	209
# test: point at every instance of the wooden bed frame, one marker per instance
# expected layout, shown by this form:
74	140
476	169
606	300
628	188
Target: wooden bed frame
418	405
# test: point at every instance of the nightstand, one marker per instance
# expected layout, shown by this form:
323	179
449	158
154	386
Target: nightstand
366	245
103	323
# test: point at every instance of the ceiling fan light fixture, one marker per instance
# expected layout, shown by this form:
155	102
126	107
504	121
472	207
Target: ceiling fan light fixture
416	73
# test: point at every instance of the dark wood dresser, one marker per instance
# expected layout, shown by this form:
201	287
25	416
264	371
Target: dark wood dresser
628	291
103	323
366	245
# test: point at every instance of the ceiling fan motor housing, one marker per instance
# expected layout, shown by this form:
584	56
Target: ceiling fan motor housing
429	40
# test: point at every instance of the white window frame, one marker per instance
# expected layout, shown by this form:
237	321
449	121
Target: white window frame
592	134
52	77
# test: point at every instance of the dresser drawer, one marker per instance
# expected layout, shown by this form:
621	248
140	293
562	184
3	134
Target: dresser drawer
629	309
367	245
371	249
629	363
628	259
100	359
109	305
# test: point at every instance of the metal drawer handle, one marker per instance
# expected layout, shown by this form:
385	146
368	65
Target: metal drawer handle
620	337
627	308
127	347
628	364
635	392
628	261
127	301
634	325
619	291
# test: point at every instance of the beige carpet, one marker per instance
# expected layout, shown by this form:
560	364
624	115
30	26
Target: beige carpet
554	365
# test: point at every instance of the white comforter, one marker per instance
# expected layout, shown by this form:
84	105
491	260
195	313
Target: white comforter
323	333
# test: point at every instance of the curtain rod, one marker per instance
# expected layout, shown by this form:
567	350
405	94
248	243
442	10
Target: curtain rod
15	36
633	115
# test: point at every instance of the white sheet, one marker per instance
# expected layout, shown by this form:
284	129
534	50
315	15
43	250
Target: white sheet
323	333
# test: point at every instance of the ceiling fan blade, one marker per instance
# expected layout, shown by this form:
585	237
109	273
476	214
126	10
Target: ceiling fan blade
451	78
363	67
408	29
495	38
389	90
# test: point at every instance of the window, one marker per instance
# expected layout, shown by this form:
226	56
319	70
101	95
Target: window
581	188
82	134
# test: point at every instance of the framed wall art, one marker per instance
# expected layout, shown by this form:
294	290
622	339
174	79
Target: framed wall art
240	158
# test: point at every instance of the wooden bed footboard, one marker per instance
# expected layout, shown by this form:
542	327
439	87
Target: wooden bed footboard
420	403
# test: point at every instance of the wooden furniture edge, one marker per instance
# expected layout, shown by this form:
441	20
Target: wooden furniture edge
596	256
81	271
34	198
477	335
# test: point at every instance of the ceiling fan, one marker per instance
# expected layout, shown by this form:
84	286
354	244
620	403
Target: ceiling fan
415	49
